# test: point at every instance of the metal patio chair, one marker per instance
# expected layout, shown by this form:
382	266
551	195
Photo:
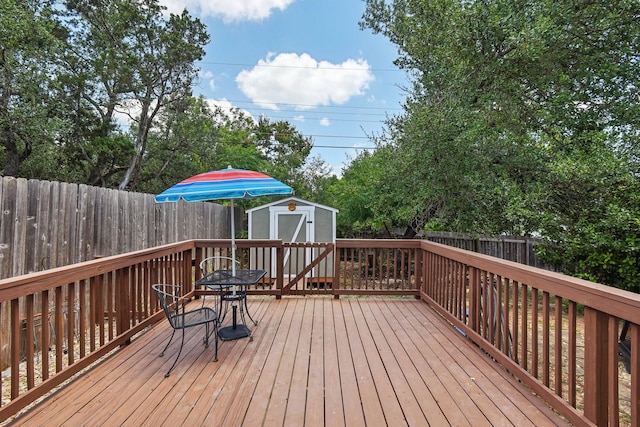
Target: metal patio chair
174	307
217	262
211	264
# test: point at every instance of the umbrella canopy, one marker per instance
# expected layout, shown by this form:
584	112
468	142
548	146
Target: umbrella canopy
225	184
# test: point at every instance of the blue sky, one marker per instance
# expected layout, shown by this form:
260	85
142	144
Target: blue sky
303	61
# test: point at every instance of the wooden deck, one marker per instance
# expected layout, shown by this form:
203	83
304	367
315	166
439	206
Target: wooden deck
314	362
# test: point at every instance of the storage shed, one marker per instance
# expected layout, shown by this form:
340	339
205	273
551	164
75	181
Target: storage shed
295	220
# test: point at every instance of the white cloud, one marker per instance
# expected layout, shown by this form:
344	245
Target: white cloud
228	10
325	121
289	78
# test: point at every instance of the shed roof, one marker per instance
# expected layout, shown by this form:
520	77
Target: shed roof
290	199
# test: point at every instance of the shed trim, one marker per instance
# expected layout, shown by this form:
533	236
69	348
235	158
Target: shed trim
294	199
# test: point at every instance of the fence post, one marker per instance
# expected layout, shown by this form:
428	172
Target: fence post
595	366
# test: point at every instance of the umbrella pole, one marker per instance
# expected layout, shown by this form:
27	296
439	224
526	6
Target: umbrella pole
234	331
234	308
233	242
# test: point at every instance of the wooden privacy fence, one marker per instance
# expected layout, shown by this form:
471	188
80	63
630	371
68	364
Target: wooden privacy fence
517	249
47	224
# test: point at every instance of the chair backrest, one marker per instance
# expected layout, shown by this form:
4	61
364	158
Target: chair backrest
168	296
213	263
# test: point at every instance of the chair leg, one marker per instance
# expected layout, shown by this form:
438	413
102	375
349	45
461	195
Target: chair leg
246	308
215	331
204	296
222	312
215	353
167	346
206	335
216	328
177	357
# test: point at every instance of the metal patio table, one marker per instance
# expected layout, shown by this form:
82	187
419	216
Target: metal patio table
232	288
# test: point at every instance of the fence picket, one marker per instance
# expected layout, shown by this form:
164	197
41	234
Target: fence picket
8	202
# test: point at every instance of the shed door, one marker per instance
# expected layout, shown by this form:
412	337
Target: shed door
293	226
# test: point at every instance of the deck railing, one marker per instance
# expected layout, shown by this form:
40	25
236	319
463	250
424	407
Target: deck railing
60	321
557	334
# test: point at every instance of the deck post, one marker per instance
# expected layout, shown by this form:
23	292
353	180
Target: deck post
635	375
279	269
335	286
595	366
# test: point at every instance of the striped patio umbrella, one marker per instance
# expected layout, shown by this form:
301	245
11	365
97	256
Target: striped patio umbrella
225	184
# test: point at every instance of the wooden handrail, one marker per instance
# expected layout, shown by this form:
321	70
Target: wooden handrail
610	300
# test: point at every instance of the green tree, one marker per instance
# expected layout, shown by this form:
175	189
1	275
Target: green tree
192	137
29	47
182	142
126	58
508	101
357	194
316	179
99	92
284	147
589	213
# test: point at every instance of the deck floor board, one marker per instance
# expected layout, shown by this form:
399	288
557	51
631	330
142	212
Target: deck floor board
312	361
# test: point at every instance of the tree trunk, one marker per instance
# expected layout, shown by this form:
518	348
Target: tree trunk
420	219
12	156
